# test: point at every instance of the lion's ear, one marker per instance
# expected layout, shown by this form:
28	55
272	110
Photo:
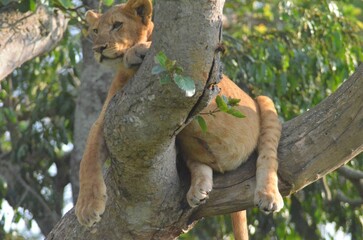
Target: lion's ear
141	8
91	17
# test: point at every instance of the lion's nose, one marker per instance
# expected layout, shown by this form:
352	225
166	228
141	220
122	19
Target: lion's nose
100	48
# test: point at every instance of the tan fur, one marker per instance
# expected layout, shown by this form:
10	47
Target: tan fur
227	143
121	47
239	223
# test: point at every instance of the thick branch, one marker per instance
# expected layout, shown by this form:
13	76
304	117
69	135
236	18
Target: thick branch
24	36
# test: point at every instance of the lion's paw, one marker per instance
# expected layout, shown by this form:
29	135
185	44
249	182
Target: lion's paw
268	200
91	203
135	55
199	193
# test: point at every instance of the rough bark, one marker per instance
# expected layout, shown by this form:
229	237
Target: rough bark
151	143
146	189
24	36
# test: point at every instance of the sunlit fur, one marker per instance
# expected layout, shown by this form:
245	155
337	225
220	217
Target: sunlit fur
227	143
122	48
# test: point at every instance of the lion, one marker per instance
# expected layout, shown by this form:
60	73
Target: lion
121	38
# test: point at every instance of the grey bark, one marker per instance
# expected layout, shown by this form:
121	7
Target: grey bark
146	189
24	36
151	153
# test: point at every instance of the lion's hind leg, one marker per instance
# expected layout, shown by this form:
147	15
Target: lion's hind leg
201	183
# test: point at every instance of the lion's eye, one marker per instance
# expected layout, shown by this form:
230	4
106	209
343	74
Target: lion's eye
95	30
117	25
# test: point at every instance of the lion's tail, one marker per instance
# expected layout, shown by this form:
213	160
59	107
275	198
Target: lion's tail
239	223
270	132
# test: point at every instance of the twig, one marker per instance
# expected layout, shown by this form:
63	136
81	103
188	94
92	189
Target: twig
350	173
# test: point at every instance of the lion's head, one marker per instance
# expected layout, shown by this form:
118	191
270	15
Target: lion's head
119	28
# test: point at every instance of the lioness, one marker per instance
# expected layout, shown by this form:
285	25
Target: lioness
122	36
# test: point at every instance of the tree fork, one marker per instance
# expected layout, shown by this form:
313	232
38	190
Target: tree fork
146	199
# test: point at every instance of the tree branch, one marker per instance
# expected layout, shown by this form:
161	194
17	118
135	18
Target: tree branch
350	173
32	33
352	202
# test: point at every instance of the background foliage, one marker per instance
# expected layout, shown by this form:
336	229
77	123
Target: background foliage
297	52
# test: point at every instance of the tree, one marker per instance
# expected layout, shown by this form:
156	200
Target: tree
171	124
150	160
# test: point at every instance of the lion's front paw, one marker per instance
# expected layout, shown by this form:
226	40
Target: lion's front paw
91	203
199	192
268	200
135	55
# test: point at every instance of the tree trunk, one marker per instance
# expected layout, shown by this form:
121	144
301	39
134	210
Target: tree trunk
24	36
146	189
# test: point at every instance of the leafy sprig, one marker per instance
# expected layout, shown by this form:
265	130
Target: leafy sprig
224	104
169	71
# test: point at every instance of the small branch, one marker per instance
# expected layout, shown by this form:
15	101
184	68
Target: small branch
326	189
352	202
350	173
41	210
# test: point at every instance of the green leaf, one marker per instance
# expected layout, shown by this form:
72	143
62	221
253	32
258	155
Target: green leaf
221	104
236	113
185	83
17	216
157	70
66	3
202	123
32	5
10	115
108	3
178	69
71	53
26	5
225	99
233	102
165	79
170	65
161	59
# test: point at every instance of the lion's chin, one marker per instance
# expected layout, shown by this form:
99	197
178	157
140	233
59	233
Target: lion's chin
108	61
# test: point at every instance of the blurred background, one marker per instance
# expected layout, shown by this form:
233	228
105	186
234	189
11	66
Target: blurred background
297	52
